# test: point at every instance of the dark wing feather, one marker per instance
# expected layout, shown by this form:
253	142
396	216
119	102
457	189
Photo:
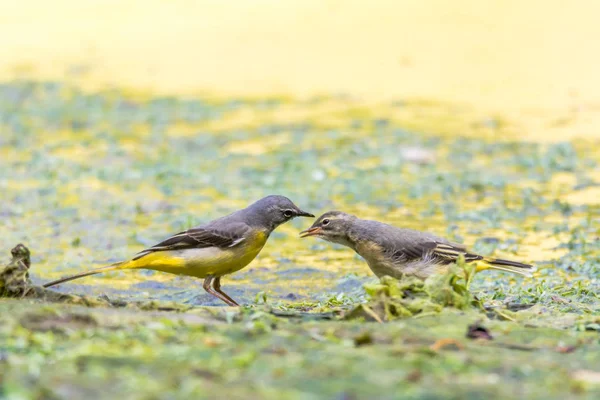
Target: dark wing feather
413	252
440	253
452	252
199	238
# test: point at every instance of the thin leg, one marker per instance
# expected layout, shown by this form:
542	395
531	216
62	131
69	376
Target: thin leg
217	287
207	286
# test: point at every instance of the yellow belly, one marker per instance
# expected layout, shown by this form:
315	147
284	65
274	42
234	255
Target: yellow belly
201	263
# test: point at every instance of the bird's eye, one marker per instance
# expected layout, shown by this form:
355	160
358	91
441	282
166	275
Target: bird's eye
325	222
288	213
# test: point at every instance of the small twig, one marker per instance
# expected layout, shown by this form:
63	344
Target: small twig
441	343
371	313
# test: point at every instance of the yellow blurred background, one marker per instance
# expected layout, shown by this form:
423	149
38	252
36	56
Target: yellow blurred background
535	62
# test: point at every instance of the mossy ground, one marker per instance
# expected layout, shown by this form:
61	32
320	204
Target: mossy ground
91	178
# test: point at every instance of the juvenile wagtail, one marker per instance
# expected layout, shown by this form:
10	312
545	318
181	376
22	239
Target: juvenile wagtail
209	251
396	252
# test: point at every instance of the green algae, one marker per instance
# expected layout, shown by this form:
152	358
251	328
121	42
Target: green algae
409	297
269	353
163	354
91	178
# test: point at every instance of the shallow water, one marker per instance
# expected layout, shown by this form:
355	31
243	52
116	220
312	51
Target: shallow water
90	178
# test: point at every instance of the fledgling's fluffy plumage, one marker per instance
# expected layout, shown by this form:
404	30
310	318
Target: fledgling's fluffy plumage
393	251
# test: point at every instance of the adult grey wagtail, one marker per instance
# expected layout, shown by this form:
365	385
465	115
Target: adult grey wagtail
209	251
396	251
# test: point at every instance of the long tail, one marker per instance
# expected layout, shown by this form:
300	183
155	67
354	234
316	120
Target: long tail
112	267
509	266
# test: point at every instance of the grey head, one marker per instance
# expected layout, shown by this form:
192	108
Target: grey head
333	226
272	211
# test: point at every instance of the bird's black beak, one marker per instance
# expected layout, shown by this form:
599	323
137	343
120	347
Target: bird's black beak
301	213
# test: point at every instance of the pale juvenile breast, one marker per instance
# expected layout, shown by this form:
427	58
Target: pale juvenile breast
376	258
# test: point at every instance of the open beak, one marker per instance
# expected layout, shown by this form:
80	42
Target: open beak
301	213
311	232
